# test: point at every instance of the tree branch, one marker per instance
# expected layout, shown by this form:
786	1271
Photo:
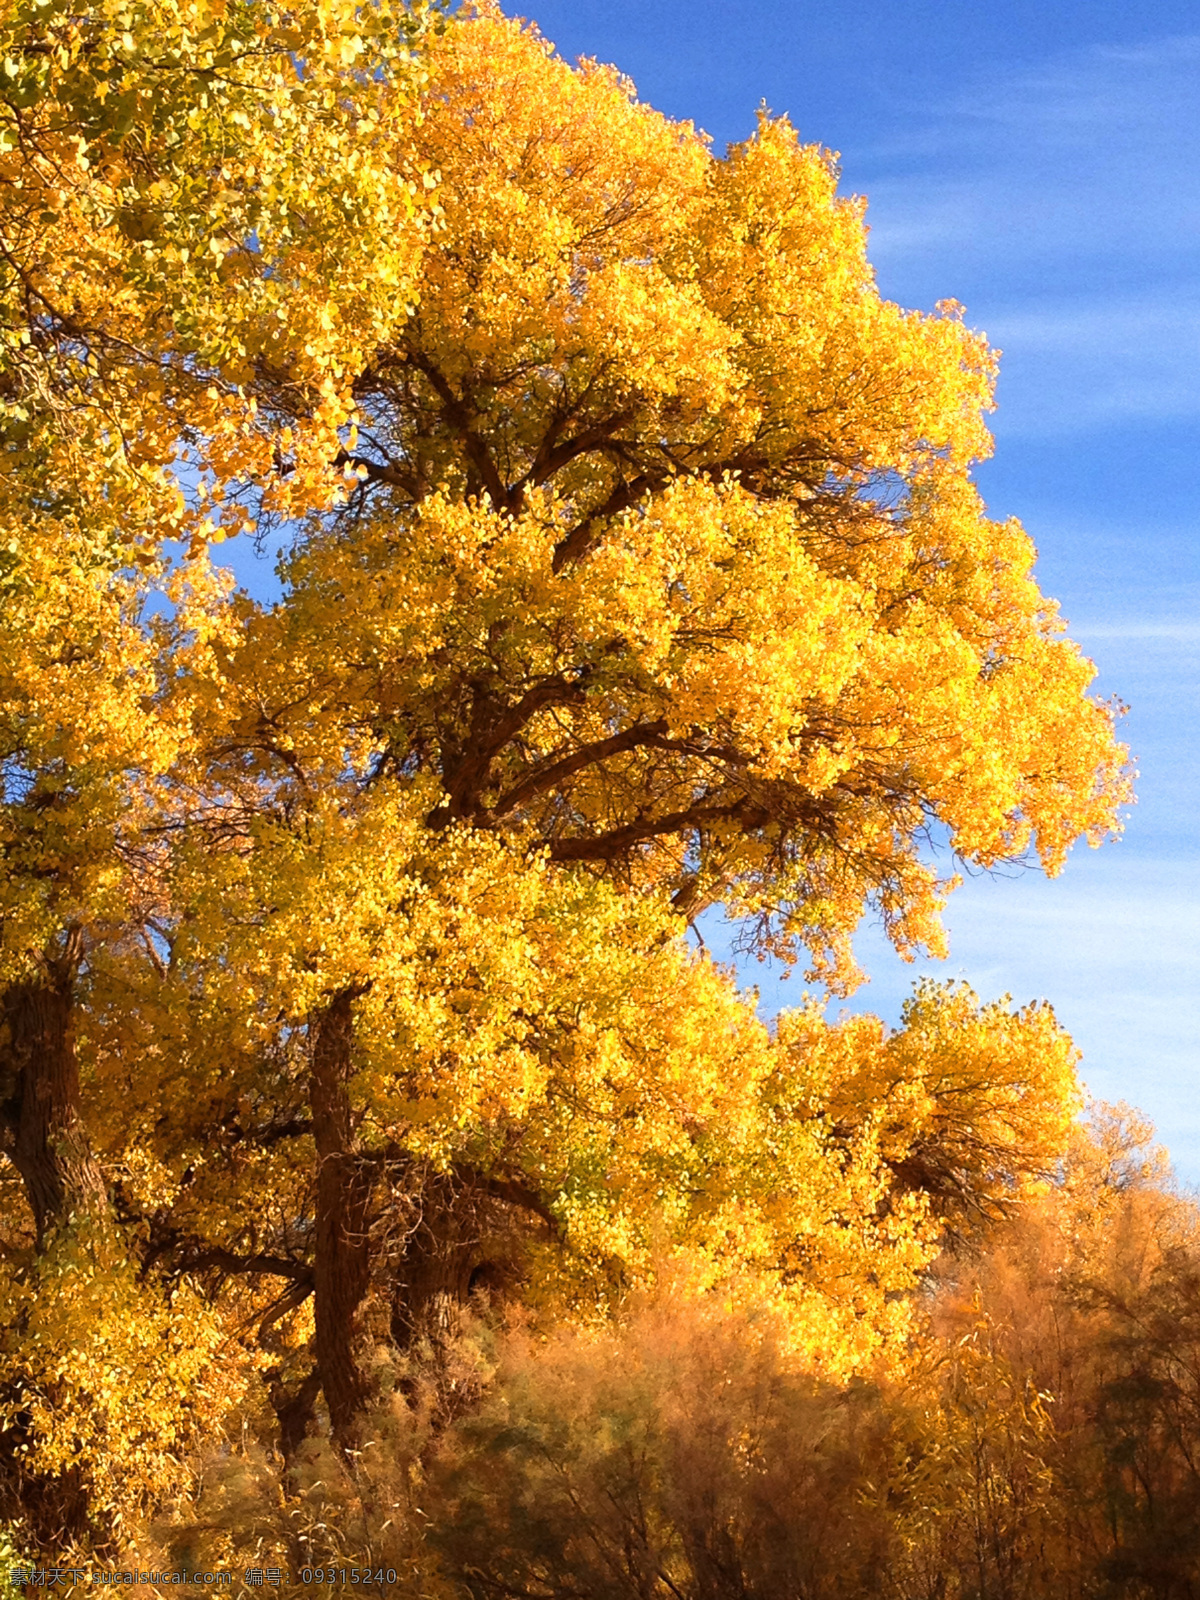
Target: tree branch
458	415
638	737
610	846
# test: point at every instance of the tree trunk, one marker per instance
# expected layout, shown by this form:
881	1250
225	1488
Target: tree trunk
295	1413
41	1127
433	1281
468	1232
342	1265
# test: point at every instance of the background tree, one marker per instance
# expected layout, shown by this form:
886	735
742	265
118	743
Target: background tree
156	225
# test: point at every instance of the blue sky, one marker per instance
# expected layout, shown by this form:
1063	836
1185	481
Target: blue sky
1041	163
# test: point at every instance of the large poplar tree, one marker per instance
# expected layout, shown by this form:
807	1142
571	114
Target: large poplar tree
632	565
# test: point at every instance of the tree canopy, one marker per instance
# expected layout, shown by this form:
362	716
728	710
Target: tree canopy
630	566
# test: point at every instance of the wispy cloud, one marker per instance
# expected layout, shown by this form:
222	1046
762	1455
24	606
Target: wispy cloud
1182	632
1062	206
1096	135
1077	365
1100	89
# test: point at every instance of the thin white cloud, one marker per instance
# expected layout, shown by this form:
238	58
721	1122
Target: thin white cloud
1128	325
1095	250
1103	86
1074	193
1182	632
1070	367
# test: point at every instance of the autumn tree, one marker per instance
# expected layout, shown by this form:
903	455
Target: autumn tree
657	561
632	565
156	223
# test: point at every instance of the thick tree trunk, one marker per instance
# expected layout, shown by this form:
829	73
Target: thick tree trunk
342	1264
468	1234
295	1413
42	1126
433	1282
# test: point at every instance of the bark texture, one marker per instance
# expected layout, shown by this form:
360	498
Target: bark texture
468	1233
434	1278
342	1264
41	1124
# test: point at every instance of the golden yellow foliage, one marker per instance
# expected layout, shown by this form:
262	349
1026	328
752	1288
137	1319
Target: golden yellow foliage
660	538
108	1387
966	1104
632	566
